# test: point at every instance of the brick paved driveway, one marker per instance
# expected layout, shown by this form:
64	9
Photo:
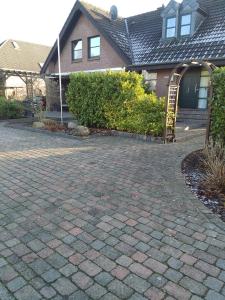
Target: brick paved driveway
107	218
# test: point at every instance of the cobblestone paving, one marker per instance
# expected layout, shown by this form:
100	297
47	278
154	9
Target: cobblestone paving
107	218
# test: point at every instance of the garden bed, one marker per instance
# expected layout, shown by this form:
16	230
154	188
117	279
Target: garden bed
194	171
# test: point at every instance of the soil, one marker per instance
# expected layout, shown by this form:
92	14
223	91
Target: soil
193	169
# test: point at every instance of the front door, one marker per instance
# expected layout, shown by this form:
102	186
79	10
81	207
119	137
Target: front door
189	89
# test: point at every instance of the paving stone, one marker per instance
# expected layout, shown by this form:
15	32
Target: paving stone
213	283
51	275
175	263
154	294
16	284
7	273
212	295
40	266
193	273
64	286
140	270
96	291
173	275
155	266
56	260
105	263
48	292
79	295
221	264
193	286
27	293
3	262
36	245
103	278
90	268
82	280
137	296
119	289
177	291
110	252
157	280
113	222
138	284
68	270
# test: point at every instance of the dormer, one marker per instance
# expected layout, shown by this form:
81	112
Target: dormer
170	17
191	16
181	19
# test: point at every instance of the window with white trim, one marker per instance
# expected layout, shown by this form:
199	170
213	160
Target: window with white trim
185	28
150	79
171	27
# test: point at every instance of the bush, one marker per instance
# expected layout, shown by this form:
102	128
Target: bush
218	106
10	109
214	165
116	101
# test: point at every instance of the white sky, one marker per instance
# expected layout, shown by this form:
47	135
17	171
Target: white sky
39	21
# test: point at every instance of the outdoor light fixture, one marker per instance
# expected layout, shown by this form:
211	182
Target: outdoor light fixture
184	65
194	62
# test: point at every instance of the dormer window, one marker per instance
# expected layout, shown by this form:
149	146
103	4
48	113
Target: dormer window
171	27
185	25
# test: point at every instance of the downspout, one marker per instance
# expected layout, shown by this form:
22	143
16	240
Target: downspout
129	41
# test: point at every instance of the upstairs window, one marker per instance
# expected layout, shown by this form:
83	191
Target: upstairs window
185	25
171	27
77	47
94	47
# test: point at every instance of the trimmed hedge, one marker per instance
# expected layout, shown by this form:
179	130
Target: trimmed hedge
10	109
115	100
218	106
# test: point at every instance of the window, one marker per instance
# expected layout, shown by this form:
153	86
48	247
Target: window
185	25
77	50
150	80
94	47
171	27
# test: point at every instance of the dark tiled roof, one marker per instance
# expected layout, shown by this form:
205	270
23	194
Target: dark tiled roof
138	39
115	29
207	43
23	56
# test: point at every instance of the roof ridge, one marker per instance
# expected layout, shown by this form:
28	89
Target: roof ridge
25	42
98	9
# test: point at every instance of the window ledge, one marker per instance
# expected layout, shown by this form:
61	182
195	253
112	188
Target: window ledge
77	60
94	58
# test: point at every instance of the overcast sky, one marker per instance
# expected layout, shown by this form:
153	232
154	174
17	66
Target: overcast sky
40	21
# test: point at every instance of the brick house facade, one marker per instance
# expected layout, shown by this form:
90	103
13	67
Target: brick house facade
152	43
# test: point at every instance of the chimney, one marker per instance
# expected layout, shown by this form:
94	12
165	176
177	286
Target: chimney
113	13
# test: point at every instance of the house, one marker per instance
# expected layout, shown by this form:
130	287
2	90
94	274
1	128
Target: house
20	65
152	43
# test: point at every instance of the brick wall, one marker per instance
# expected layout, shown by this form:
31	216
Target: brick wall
84	29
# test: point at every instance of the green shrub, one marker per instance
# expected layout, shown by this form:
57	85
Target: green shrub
218	106
116	101
10	109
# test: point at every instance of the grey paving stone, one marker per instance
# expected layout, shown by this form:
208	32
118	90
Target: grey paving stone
138	284
157	280
193	286
119	289
48	292
51	275
27	293
173	275
79	295
221	263
96	291
40	266
212	295
213	283
103	278
68	270
64	286
175	263
16	284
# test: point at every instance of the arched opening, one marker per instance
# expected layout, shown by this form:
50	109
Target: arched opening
190	93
